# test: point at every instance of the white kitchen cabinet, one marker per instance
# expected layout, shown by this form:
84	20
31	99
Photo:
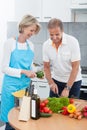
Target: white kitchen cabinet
79	4
23	7
44	10
58	9
42	88
79	11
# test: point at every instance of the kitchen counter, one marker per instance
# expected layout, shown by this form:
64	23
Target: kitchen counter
39	80
57	121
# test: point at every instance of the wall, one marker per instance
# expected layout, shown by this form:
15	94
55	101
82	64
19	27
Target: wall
6	13
79	30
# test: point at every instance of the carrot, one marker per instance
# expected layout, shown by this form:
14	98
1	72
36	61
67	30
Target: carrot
71	115
79	117
78	113
75	116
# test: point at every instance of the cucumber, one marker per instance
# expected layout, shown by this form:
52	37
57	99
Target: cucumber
45	114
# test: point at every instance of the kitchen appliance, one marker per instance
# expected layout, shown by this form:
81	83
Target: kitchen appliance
83	89
79	10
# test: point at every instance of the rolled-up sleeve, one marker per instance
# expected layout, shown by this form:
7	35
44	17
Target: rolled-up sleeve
75	51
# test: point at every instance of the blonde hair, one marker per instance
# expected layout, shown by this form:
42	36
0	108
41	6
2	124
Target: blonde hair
29	20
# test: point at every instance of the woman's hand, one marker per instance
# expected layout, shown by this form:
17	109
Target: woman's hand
65	93
29	73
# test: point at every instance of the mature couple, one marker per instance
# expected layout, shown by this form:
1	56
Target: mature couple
61	51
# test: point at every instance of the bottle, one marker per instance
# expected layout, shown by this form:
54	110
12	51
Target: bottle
35	105
31	89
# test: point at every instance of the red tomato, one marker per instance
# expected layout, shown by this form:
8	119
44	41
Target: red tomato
41	110
46	101
42	105
85	114
46	109
85	108
50	112
71	100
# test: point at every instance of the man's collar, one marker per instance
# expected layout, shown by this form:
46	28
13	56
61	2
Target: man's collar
64	39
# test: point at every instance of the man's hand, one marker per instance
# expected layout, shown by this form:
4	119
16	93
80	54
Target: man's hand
54	88
65	93
47	71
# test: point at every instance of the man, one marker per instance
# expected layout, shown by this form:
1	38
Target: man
61	57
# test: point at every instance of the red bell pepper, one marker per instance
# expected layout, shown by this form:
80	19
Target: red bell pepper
64	110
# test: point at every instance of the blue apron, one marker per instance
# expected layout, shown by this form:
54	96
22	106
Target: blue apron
20	59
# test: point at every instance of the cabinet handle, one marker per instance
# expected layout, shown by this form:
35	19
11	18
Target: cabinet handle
82	3
37	17
47	17
42	86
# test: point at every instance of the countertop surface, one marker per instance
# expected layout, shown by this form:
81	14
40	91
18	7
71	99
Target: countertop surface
39	80
56	122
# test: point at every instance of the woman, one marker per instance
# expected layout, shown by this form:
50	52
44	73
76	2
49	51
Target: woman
16	65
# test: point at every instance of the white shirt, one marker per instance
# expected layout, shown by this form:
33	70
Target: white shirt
60	60
9	46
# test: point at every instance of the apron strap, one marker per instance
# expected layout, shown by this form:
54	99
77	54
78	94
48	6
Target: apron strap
16	42
28	47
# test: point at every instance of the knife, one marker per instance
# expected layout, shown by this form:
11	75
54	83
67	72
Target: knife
26	92
58	95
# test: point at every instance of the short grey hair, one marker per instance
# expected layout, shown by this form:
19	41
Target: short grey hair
54	22
28	20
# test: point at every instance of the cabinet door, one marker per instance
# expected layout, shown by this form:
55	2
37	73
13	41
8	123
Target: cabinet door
23	7
42	89
79	2
58	9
